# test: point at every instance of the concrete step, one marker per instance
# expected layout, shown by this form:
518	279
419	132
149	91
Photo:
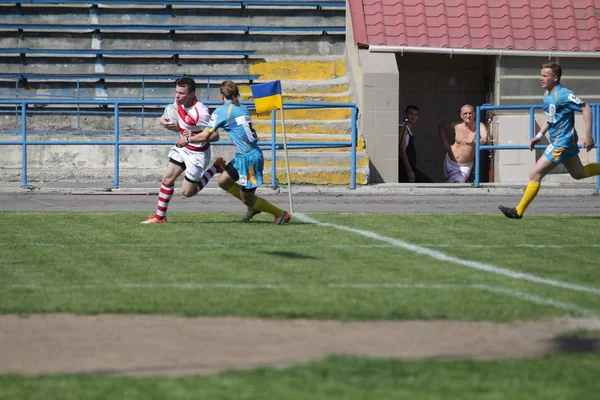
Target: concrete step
105	176
299	69
317	138
46	119
303	158
329	127
318	176
292	70
158	65
307	45
316	114
335	90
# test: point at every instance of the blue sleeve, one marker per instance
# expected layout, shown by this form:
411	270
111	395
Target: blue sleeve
569	101
217	119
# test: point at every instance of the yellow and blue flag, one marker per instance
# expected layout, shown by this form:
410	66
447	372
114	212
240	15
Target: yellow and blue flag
267	96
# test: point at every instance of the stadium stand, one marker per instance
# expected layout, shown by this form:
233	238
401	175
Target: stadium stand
128	49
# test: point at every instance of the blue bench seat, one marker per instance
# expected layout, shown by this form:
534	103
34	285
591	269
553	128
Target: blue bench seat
189	3
171	28
126	77
120	52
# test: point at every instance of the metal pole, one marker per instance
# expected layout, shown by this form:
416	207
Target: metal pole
116	148
273	149
287	162
596	128
477	145
23	145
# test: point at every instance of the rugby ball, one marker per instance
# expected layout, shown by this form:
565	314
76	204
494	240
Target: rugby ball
171	113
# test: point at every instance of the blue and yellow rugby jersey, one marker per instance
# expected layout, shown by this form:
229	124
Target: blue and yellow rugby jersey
560	106
238	125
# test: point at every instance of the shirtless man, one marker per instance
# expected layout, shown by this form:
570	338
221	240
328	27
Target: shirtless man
459	159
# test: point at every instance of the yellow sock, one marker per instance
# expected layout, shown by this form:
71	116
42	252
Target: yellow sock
531	191
263	205
234	190
591	170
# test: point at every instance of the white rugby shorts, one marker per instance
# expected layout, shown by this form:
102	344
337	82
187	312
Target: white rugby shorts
195	161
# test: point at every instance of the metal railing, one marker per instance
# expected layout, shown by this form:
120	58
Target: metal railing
531	108
273	145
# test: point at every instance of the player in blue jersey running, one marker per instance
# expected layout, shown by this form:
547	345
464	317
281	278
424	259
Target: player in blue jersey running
244	173
560	105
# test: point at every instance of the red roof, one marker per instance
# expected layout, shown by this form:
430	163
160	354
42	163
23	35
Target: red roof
563	25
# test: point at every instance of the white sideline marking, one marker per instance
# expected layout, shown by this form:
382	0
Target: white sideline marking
438	255
509	246
367	286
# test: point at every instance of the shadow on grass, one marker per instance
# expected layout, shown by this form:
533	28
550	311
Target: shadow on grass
235	222
576	344
289	254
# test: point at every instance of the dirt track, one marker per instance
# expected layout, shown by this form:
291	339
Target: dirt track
157	345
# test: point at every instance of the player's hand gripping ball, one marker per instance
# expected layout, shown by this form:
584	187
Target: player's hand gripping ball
171	113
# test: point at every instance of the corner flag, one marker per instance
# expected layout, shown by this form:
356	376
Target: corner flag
267	96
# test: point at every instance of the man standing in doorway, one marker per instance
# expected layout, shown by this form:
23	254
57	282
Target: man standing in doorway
461	154
407	166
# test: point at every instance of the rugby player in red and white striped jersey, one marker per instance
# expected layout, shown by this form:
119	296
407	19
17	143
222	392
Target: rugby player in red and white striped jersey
194	158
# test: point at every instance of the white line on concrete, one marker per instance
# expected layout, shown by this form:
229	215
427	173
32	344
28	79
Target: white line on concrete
438	255
354	286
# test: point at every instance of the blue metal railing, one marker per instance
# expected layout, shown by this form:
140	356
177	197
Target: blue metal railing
117	142
531	108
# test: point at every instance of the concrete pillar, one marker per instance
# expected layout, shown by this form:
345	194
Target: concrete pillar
379	115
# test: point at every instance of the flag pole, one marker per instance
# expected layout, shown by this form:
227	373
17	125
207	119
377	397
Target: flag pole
287	164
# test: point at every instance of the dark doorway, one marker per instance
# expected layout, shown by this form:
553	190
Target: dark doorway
439	85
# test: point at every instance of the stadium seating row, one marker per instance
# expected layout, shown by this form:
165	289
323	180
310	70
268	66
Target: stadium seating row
126	53
172	28
103	85
188	3
128	77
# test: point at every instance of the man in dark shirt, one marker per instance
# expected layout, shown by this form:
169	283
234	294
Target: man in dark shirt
407	166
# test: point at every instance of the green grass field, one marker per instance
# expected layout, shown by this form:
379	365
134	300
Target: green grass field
341	266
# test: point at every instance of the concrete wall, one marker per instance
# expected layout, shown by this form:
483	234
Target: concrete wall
379	114
353	63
